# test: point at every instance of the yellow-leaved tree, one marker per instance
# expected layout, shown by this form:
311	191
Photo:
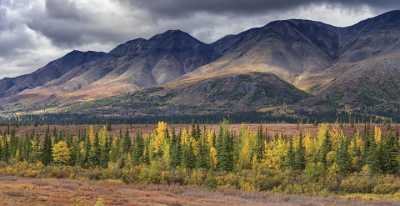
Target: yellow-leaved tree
378	135
337	135
61	153
103	135
91	134
185	137
246	145
275	151
213	157
322	133
158	138
311	146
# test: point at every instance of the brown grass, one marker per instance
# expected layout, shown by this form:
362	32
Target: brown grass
35	192
271	129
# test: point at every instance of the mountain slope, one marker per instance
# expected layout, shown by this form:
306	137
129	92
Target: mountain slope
288	49
51	71
225	94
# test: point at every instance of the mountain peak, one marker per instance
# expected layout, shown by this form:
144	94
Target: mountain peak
74	52
174	35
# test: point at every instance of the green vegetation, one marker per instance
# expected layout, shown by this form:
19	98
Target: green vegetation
365	161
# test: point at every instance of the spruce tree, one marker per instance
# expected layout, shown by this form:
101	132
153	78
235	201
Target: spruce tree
175	150
126	142
290	159
138	148
300	160
47	149
326	147
343	159
259	144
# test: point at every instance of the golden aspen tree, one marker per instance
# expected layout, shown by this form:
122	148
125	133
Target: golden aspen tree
275	151
158	137
196	146
166	152
323	130
185	137
310	145
213	157
244	155
61	153
91	134
377	134
210	138
337	135
103	135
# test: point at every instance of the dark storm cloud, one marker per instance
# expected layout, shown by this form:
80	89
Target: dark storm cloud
34	32
245	7
62	22
64	10
12	34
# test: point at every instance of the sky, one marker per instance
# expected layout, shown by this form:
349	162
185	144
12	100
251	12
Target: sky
34	32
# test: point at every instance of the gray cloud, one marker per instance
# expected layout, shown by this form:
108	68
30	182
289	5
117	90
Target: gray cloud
34	32
177	8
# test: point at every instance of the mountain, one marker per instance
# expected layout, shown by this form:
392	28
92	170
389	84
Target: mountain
225	94
134	65
304	66
53	70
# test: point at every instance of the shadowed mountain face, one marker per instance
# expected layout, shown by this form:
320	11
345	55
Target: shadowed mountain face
354	67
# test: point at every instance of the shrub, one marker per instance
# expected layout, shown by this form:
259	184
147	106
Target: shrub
197	177
228	180
387	185
267	183
358	184
211	181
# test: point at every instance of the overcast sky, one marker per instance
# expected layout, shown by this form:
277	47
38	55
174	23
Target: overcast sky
34	32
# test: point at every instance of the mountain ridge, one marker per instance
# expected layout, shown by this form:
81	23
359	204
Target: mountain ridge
313	57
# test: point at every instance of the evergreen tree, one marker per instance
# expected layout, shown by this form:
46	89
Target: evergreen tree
343	159
138	148
47	149
290	158
126	142
300	160
326	147
175	152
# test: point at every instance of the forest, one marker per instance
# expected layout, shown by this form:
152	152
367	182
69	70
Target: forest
337	159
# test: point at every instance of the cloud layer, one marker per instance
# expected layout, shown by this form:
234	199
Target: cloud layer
34	32
248	7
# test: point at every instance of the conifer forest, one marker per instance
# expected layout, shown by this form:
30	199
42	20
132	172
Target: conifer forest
336	159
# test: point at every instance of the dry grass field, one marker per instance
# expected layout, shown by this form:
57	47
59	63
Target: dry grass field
59	192
271	129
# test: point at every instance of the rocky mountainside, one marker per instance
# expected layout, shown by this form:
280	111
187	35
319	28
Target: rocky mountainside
306	65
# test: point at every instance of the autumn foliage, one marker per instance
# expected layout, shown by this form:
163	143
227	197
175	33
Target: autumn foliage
366	161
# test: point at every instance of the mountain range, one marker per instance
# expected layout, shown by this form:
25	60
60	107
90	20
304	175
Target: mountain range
290	67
